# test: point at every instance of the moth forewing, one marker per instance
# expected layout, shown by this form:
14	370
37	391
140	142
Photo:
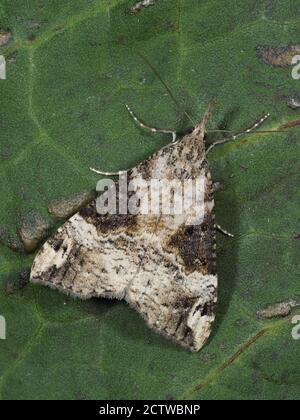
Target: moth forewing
162	264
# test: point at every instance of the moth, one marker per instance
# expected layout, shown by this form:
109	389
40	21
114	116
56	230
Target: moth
161	265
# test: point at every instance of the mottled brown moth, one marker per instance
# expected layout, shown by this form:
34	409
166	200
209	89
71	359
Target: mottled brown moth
161	265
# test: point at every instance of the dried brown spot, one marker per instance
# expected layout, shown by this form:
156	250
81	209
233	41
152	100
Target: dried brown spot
31	37
11	241
5	37
33	230
278	56
281	309
17	281
290	124
65	208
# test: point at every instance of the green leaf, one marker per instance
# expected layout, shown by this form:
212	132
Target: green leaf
71	67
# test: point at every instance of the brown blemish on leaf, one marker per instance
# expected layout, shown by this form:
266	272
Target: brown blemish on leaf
278	56
281	309
17	281
12	242
5	37
65	208
139	6
33	230
31	37
297	237
290	124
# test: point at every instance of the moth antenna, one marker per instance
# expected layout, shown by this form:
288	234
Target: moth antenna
148	127
239	134
167	88
254	126
96	171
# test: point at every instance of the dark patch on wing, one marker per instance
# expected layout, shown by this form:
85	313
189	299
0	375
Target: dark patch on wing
195	245
56	243
184	305
110	222
207	310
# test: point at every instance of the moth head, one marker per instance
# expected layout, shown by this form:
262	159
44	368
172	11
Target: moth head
200	128
195	141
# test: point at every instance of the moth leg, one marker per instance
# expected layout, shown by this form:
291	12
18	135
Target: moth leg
241	133
224	232
96	171
152	129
